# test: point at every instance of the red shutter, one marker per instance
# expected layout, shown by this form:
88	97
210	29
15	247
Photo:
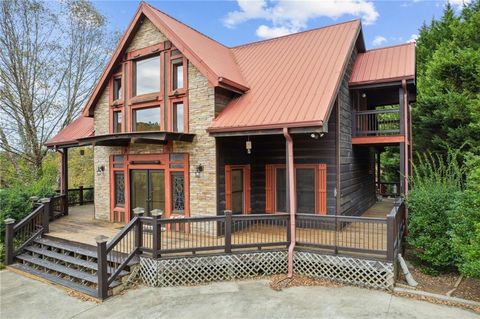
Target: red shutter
322	189
269	188
246	181
228	188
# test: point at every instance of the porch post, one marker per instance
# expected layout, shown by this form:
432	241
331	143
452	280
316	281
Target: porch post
64	173
102	273
138	212
291	200
156	232
9	223
47	213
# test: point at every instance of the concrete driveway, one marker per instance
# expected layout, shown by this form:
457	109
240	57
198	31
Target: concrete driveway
26	298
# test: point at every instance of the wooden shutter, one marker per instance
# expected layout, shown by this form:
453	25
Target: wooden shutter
322	189
228	187
246	188
269	189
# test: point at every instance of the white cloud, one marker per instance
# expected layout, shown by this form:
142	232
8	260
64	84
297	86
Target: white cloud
413	38
379	40
288	16
459	3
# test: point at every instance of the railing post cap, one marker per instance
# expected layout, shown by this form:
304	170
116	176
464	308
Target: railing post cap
156	212
227	211
138	211
9	221
34	198
45	200
101	239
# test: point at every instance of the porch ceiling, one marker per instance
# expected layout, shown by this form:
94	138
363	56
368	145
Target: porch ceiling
124	139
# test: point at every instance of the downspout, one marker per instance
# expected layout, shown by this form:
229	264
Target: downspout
291	197
406	133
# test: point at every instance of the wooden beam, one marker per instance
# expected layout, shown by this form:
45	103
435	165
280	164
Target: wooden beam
370	140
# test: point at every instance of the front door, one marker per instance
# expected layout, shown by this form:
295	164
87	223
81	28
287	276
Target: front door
147	189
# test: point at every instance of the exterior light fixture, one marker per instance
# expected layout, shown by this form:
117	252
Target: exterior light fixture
198	170
315	136
100	170
248	146
82	153
364	95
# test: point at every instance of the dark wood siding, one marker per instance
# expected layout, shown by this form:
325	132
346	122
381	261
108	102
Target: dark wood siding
356	162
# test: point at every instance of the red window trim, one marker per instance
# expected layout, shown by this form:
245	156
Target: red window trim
172	58
116	105
320	186
164	163
171	103
145	106
132	57
246	187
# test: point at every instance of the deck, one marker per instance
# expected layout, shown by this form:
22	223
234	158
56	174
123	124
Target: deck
352	233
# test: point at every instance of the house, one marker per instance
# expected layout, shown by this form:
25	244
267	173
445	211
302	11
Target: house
186	126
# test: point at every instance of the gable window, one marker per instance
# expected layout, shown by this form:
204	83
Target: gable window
177	74
147	75
310	182
178	117
117	88
146	119
117	121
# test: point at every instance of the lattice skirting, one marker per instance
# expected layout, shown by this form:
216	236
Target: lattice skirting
356	271
195	270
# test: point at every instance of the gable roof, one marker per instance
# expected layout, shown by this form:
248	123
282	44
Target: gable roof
213	59
293	79
79	128
384	65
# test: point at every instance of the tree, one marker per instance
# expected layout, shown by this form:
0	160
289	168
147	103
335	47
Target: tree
50	59
447	111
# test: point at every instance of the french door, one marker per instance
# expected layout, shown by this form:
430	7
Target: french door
147	188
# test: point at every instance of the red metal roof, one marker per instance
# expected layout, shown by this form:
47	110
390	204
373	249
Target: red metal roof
293	79
79	128
384	65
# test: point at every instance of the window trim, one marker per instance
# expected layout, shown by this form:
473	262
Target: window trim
134	108
247	209
140	54
131	161
112	120
320	186
171	59
171	104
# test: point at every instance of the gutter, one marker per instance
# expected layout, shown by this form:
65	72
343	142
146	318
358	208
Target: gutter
291	198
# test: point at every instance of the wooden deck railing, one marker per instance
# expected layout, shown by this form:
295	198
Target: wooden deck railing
80	196
20	235
224	234
376	122
388	188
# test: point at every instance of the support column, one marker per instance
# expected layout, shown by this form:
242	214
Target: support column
64	172
291	194
403	102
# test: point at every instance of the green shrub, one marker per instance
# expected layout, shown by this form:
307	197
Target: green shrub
465	223
436	184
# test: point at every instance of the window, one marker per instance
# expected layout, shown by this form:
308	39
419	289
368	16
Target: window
147	75
146	119
237	188
117	88
178	117
177	74
310	182
178	192
117	121
119	182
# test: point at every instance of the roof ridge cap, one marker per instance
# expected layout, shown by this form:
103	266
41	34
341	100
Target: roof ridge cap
293	34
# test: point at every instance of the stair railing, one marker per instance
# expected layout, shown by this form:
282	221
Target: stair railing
20	235
117	253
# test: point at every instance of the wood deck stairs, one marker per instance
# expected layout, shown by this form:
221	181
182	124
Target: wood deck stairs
69	264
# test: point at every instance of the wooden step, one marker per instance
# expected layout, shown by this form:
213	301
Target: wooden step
56	280
71	260
81	275
63	245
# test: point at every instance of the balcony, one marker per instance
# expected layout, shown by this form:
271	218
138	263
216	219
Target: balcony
377	127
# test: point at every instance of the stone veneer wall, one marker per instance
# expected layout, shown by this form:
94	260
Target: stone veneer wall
201	103
201	109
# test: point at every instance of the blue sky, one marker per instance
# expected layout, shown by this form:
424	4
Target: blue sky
237	22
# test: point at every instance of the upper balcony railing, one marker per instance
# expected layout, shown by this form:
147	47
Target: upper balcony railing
376	122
